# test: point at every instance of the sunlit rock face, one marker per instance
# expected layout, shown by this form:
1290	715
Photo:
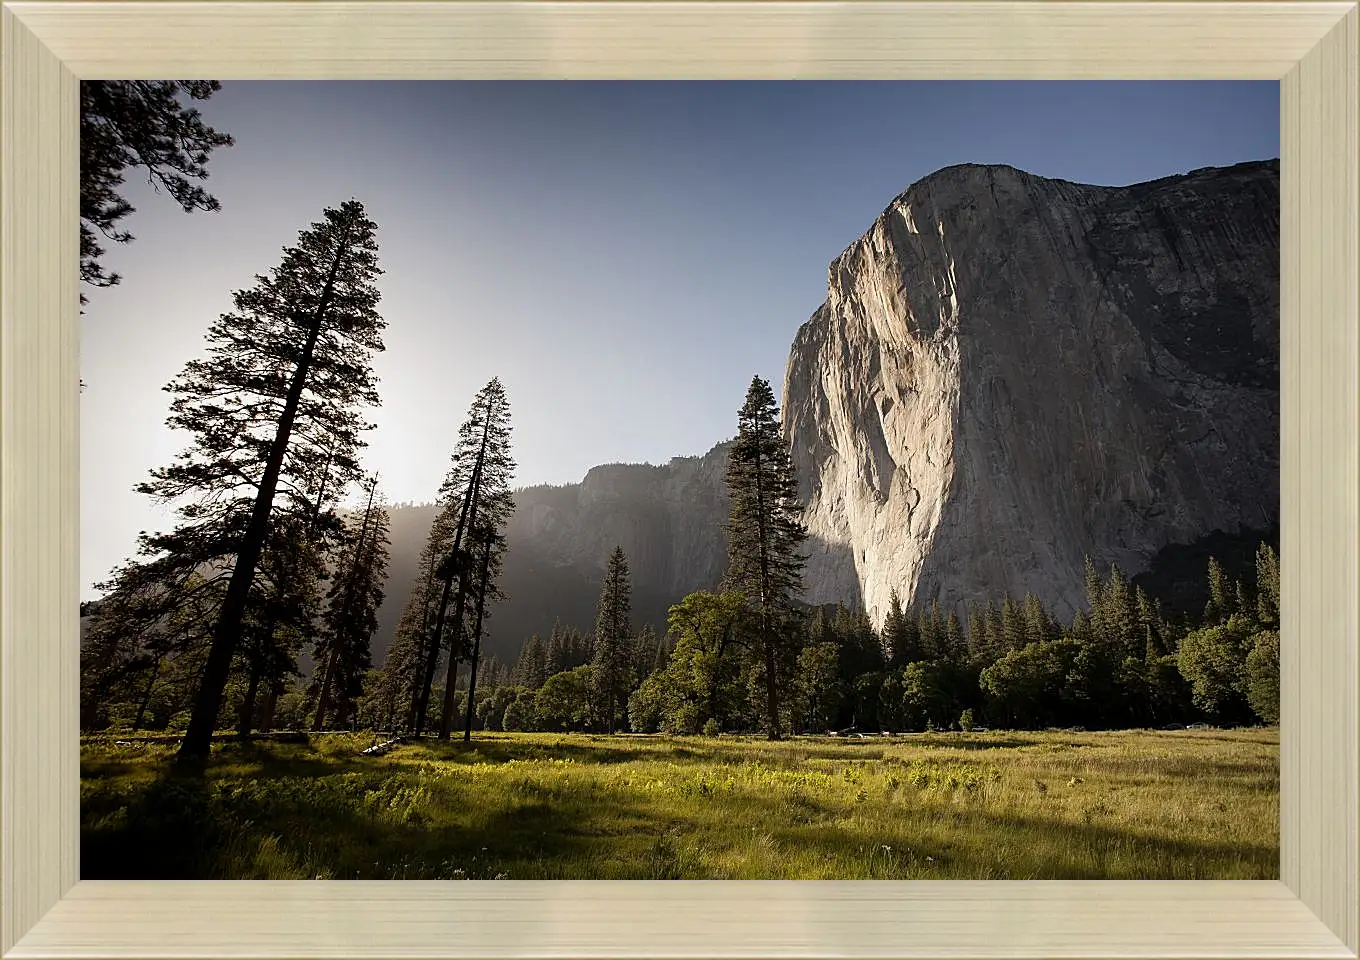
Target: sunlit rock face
1010	373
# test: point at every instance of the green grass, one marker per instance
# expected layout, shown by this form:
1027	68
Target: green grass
1128	805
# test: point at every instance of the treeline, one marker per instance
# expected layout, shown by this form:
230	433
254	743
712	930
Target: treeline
1009	664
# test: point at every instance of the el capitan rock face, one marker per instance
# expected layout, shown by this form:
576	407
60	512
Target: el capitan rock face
1010	373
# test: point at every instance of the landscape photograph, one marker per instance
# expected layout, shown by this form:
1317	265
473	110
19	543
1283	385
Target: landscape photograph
520	480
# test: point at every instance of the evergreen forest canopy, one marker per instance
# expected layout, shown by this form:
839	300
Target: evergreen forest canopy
210	624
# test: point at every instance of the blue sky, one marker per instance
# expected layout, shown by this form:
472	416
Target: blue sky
623	255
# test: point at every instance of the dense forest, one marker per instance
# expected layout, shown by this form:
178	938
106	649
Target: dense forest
257	609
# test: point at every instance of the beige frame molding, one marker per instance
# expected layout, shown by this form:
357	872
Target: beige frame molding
1314	911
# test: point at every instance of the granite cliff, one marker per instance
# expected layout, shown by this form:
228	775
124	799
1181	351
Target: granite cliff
1010	373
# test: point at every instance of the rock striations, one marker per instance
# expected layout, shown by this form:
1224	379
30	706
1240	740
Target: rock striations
1010	373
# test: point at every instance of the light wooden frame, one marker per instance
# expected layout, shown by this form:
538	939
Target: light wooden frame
1311	47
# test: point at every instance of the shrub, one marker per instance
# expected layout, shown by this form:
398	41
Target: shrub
565	701
648	703
520	713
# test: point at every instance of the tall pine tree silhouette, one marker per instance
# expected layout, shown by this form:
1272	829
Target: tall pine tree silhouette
764	539
280	390
614	638
478	483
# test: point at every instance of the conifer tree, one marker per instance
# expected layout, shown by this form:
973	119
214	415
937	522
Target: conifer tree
1220	605
558	656
901	639
279	391
404	668
953	637
977	633
614	638
1013	626
930	640
478	483
1039	626
1118	616
344	653
765	537
1267	586
648	652
131	124
1147	619
531	668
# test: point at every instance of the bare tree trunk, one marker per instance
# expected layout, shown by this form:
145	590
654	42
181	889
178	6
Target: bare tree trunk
455	654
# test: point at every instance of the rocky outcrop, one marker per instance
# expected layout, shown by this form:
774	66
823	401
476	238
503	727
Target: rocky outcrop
1011	373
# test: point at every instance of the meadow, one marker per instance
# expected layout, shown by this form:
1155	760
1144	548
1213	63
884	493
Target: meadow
1184	804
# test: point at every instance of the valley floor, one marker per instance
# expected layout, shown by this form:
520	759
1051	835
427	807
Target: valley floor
1188	804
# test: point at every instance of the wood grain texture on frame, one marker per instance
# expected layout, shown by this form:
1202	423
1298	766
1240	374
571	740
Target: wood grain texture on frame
1311	47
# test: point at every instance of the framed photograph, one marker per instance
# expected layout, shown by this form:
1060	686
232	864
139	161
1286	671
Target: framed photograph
721	701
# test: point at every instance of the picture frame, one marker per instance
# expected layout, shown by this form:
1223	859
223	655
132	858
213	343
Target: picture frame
1311	47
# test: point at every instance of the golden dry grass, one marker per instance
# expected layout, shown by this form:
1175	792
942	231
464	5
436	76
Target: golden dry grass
1191	804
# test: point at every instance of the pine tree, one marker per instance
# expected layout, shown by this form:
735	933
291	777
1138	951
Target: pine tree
765	537
901	639
647	652
477	486
357	591
1118	616
930	640
977	633
131	124
1220	605
1148	621
1013	625
953	637
1267	586
613	638
1039	626
280	390
1094	584
559	657
531	668
404	667
994	629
